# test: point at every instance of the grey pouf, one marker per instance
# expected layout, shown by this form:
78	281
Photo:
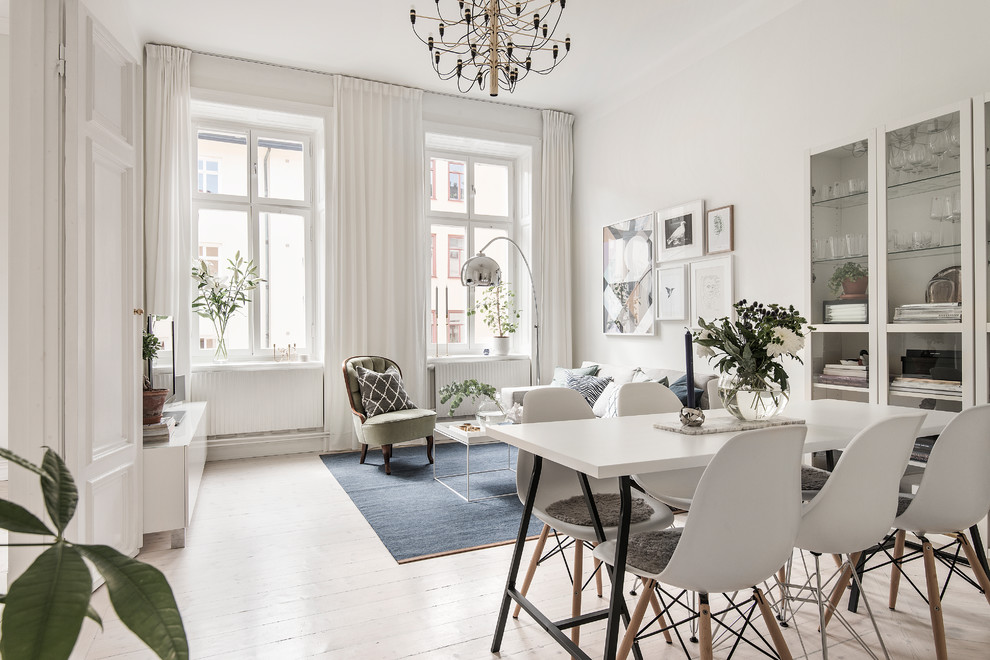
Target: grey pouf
650	552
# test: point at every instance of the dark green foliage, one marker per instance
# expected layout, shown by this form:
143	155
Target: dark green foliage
457	392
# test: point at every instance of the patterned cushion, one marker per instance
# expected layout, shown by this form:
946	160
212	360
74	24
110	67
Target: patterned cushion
574	510
611	394
560	374
590	387
650	552
382	392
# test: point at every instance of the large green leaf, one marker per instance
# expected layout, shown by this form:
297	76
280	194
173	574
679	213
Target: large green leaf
59	489
23	462
44	609
15	518
94	615
143	600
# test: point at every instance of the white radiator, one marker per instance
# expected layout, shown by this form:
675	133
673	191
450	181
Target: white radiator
261	400
511	372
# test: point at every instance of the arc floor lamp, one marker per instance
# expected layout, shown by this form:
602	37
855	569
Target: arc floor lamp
482	270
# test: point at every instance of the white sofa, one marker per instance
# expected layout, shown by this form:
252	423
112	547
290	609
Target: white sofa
707	383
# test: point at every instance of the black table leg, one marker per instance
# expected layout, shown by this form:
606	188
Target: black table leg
617	604
510	582
830	460
854	588
981	551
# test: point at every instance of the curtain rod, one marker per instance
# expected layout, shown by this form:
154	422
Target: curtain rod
325	73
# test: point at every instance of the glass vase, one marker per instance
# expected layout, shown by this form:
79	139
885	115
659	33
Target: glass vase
489	414
220	355
751	398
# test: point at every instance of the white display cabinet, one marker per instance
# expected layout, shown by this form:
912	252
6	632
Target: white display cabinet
981	235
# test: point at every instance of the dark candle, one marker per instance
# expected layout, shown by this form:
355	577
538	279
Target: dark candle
689	359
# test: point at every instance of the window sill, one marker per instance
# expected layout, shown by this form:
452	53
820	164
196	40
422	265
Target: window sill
254	366
476	358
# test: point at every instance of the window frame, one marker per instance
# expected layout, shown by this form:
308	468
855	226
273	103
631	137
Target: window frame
253	205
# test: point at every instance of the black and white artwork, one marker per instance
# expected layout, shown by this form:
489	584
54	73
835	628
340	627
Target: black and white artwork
681	231
627	277
671	293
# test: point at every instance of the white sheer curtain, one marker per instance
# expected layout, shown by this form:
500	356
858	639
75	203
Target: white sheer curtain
378	244
558	175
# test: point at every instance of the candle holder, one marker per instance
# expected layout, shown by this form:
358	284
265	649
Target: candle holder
692	416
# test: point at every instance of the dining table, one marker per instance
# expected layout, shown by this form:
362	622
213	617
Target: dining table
619	447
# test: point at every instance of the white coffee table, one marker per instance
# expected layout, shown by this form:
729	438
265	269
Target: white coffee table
468	439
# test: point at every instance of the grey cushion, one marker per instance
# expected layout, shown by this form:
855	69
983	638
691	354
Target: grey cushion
813	478
590	387
903	502
382	392
650	552
574	510
560	374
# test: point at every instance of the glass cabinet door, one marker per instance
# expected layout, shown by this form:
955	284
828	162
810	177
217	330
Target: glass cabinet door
926	230
981	247
842	208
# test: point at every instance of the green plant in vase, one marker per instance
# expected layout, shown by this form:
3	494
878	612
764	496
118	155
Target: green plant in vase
496	305
44	609
850	279
472	389
220	298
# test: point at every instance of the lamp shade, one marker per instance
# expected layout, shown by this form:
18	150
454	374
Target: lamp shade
481	270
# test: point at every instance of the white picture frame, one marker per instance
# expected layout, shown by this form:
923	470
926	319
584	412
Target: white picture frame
680	231
712	293
719	230
628	301
671	292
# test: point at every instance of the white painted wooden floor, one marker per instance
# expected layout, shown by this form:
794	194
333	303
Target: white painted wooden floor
280	564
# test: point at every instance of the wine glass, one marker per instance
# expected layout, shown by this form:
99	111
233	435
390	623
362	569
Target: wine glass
955	206
937	213
953	135
896	159
939	144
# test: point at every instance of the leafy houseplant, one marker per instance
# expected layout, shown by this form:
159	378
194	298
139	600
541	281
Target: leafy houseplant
497	307
153	399
220	298
748	350
44	610
845	276
472	389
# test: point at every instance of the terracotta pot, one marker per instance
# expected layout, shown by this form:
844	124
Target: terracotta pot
855	287
154	401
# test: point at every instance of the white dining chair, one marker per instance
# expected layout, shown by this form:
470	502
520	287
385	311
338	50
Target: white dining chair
675	488
853	510
740	531
560	501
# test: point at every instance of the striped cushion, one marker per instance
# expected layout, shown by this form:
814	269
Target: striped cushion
590	387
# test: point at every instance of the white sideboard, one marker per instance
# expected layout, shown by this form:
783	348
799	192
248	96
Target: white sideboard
172	474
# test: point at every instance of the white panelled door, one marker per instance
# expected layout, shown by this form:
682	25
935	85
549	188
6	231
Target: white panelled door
102	282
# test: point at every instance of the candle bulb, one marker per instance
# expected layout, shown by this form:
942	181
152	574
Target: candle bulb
689	377
446	301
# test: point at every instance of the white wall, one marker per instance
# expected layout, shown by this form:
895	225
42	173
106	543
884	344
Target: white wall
734	129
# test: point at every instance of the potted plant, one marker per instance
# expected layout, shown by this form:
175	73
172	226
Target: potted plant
220	298
490	411
497	308
154	399
44	609
851	279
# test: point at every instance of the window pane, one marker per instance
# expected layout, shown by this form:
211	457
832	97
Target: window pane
448	182
499	251
222	163
491	189
281	169
446	291
283	296
221	235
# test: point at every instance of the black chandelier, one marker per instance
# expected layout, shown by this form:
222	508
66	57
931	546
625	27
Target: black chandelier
495	43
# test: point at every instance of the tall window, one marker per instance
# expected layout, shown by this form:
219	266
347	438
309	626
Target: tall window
254	196
475	206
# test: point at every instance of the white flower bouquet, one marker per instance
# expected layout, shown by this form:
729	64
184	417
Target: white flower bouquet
220	297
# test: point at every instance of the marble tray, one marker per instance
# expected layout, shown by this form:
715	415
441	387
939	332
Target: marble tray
727	425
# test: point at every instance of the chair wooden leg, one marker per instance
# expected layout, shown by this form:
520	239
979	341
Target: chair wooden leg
895	568
771	622
364	453
598	575
648	586
576	588
705	628
429	448
387	455
635	620
840	586
934	602
533	563
974	562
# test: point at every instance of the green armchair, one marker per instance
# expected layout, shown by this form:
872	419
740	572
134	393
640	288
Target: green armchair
389	428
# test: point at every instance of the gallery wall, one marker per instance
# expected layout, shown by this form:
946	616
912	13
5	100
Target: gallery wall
734	128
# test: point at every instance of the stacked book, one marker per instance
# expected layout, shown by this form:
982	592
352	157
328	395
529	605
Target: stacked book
160	432
847	372
846	311
929	313
918	385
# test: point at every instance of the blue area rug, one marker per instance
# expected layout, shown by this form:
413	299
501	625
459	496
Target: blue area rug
417	517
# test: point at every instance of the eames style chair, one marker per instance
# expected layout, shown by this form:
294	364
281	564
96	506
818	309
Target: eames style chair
560	501
741	529
674	488
852	511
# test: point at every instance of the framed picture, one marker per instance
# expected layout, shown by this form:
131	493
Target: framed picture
711	289
679	230
718	230
627	277
671	293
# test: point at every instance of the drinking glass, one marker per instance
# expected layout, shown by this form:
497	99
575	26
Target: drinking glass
835	247
953	134
955	207
937	214
918	157
939	144
921	240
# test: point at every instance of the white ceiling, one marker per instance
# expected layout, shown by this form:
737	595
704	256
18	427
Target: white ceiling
616	43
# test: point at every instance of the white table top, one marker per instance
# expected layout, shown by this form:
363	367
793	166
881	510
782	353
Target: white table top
620	446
